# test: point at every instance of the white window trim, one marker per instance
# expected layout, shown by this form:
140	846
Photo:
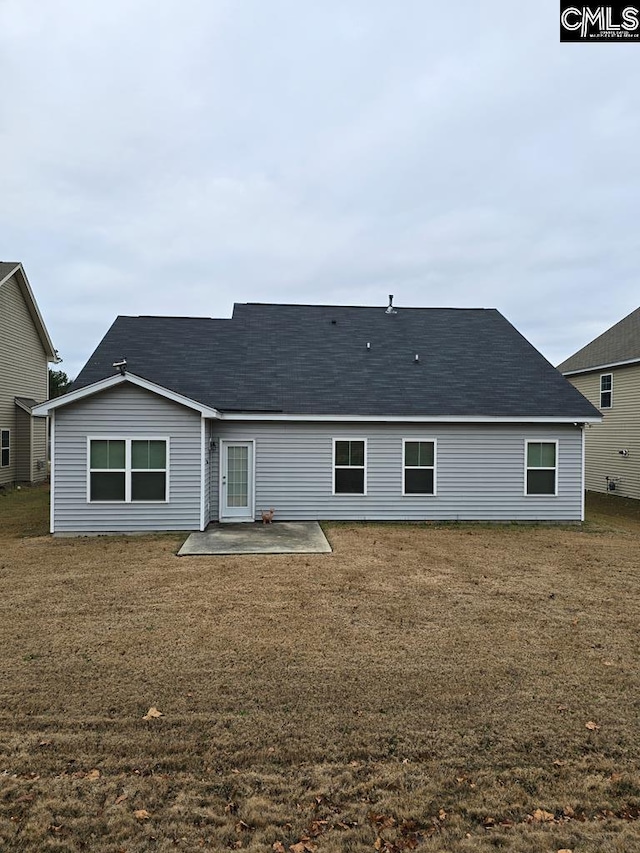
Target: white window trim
5	429
433	467
529	441
127	467
358	467
610	406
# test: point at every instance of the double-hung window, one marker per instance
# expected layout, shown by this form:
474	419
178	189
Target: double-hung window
606	391
5	448
541	468
419	468
349	466
128	470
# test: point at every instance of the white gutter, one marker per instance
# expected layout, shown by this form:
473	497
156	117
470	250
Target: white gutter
601	367
409	419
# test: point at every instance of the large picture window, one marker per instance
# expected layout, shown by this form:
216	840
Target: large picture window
5	448
419	467
349	474
541	467
128	469
606	391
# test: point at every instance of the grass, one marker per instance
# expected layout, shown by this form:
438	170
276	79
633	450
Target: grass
420	688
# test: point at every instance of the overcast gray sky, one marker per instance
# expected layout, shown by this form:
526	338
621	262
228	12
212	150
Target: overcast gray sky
165	157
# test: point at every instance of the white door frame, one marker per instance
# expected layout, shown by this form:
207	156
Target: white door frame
223	513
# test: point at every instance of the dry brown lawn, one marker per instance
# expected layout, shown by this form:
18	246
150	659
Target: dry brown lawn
423	687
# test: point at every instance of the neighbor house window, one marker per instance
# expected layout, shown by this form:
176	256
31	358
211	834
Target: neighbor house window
349	475
542	467
5	448
606	391
419	468
128	469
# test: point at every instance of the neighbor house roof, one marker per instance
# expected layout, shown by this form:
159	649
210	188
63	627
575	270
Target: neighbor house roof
618	345
7	270
339	360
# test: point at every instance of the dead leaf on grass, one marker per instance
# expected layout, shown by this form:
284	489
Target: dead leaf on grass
241	826
593	727
565	850
153	714
305	845
442	815
541	816
25	798
141	814
45	743
278	847
231	807
92	775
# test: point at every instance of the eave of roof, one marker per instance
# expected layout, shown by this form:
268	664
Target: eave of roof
7	270
597	368
617	346
43	409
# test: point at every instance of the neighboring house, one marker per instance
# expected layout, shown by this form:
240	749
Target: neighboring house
607	372
25	353
321	412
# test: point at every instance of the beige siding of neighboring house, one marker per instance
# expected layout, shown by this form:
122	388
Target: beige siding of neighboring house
620	430
23	373
22	446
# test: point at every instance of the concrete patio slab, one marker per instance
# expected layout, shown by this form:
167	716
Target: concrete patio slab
281	537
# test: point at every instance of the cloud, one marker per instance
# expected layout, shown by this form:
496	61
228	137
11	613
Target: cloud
170	158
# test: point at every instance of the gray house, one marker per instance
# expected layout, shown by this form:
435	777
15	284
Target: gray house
25	353
320	412
607	372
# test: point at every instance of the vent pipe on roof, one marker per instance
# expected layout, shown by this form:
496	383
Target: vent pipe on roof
121	365
417	359
390	308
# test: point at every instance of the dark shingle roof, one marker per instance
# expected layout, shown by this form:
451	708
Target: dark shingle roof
6	267
619	343
313	359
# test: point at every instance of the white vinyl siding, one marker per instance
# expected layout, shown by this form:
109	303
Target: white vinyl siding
136	414
480	472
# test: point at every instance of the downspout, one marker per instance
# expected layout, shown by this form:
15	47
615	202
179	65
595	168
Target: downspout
52	474
582	478
203	444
